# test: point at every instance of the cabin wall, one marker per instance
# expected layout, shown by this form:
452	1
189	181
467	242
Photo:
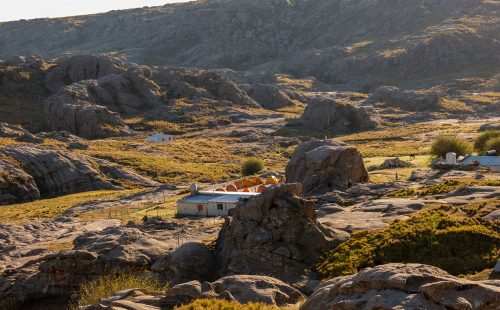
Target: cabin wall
209	209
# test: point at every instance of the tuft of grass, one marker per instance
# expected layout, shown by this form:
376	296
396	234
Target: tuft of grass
442	145
482	140
459	245
252	166
220	304
493	144
92	292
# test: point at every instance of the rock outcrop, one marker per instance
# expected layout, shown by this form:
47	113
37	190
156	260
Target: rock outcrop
269	96
330	116
408	100
55	172
323	165
242	289
275	234
404	286
15	184
82	67
17	132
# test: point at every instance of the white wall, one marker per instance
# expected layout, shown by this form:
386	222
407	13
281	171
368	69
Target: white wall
209	209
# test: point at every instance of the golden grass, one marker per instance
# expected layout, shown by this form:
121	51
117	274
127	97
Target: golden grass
165	208
454	106
186	160
92	292
299	84
49	208
220	304
484	98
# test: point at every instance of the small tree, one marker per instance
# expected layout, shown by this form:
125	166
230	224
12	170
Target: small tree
493	144
480	144
446	144
251	166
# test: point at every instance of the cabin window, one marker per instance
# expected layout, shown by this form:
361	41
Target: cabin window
220	206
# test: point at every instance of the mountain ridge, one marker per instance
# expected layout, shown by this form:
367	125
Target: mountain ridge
362	44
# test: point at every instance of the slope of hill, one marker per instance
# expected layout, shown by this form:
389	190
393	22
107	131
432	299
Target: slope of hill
359	43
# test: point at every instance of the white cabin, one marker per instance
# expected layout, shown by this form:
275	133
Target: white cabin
160	138
211	203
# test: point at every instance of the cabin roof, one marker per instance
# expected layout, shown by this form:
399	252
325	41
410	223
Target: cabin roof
206	197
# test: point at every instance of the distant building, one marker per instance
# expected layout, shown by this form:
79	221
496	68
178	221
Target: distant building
210	203
160	138
492	162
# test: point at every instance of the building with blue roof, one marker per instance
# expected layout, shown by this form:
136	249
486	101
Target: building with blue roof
211	203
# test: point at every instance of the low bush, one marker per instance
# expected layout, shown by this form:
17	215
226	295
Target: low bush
480	144
93	291
457	245
493	144
252	166
442	145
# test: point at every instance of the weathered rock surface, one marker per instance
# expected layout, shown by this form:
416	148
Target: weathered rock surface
17	132
323	165
191	261
404	286
275	234
15	184
57	173
115	172
392	163
242	289
331	116
405	99
269	96
82	67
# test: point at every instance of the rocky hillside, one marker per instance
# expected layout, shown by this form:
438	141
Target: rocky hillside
361	43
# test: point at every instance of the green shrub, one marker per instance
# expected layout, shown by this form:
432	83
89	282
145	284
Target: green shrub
445	144
252	166
493	144
93	291
459	246
480	144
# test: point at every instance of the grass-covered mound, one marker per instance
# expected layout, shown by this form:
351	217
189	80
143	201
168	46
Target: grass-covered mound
453	242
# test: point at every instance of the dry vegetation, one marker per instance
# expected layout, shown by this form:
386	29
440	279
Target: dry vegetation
49	208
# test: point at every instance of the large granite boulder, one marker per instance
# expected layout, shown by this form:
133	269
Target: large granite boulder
330	116
269	96
15	184
56	172
404	286
275	234
191	261
323	165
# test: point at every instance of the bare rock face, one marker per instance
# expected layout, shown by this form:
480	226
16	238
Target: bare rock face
269	96
93	108
57	173
275	234
82	67
331	116
323	165
404	286
15	184
405	99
